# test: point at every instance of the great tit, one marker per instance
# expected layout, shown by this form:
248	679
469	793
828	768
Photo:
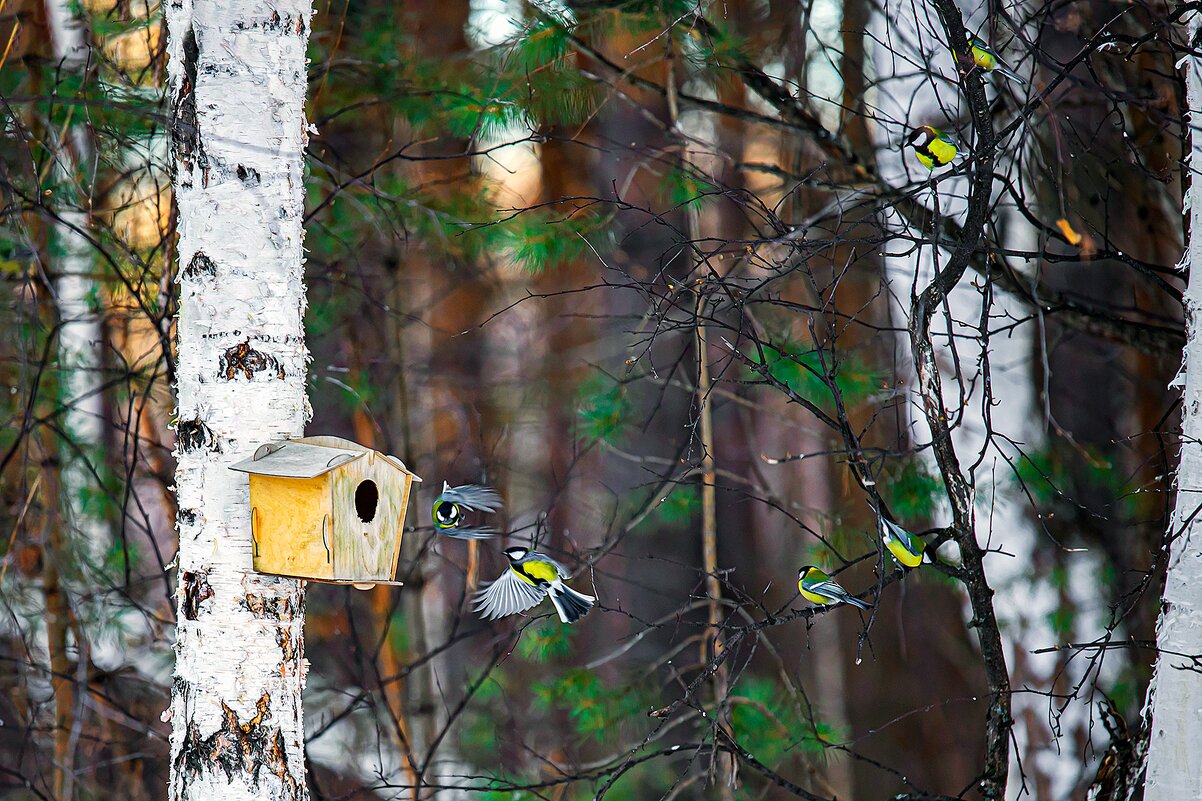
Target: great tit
531	577
933	147
819	588
450	505
984	57
907	549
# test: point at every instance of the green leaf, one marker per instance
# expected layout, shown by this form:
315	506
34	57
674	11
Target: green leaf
680	506
801	370
544	641
768	724
911	489
544	239
545	41
688	187
595	708
604	409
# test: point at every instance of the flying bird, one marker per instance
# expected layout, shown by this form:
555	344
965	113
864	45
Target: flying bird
531	577
450	505
984	57
819	588
933	147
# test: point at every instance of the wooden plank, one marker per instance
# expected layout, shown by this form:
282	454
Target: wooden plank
407	480
287	515
366	550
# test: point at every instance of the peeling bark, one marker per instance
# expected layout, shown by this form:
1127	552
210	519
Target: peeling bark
237	74
237	749
1174	767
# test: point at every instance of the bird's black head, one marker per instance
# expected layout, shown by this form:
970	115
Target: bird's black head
447	514
805	569
516	553
921	136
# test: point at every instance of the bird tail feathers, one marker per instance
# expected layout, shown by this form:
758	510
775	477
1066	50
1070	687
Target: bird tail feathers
570	605
856	602
1009	73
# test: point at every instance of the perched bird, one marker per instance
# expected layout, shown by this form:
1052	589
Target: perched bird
819	588
933	147
907	549
450	504
984	57
531	577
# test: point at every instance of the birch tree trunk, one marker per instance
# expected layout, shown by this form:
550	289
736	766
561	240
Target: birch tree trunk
79	328
1174	770
79	336
237	81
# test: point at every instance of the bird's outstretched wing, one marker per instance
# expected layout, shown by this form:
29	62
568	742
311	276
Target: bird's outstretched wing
472	496
508	595
468	532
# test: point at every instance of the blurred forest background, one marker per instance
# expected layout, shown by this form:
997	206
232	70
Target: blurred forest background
602	257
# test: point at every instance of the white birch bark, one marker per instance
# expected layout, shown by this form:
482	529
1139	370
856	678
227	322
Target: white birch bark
79	335
1174	768
1025	600
79	328
237	81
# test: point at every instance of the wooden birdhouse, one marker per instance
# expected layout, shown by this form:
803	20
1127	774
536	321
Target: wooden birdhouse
327	509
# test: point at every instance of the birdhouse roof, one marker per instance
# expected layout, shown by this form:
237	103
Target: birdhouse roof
309	458
296	460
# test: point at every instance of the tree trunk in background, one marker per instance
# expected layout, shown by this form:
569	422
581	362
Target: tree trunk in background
908	97
237	83
433	407
78	359
1087	429
79	331
1175	696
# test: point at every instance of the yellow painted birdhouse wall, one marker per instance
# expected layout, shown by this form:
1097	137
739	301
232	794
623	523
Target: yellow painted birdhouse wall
327	509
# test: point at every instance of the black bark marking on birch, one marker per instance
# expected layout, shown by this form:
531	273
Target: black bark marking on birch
193	435
270	608
248	176
199	265
998	720
188	517
273	23
197	590
237	748
244	359
1120	773
185	129
288	647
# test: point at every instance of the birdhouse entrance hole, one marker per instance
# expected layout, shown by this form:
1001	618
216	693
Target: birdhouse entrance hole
367	496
